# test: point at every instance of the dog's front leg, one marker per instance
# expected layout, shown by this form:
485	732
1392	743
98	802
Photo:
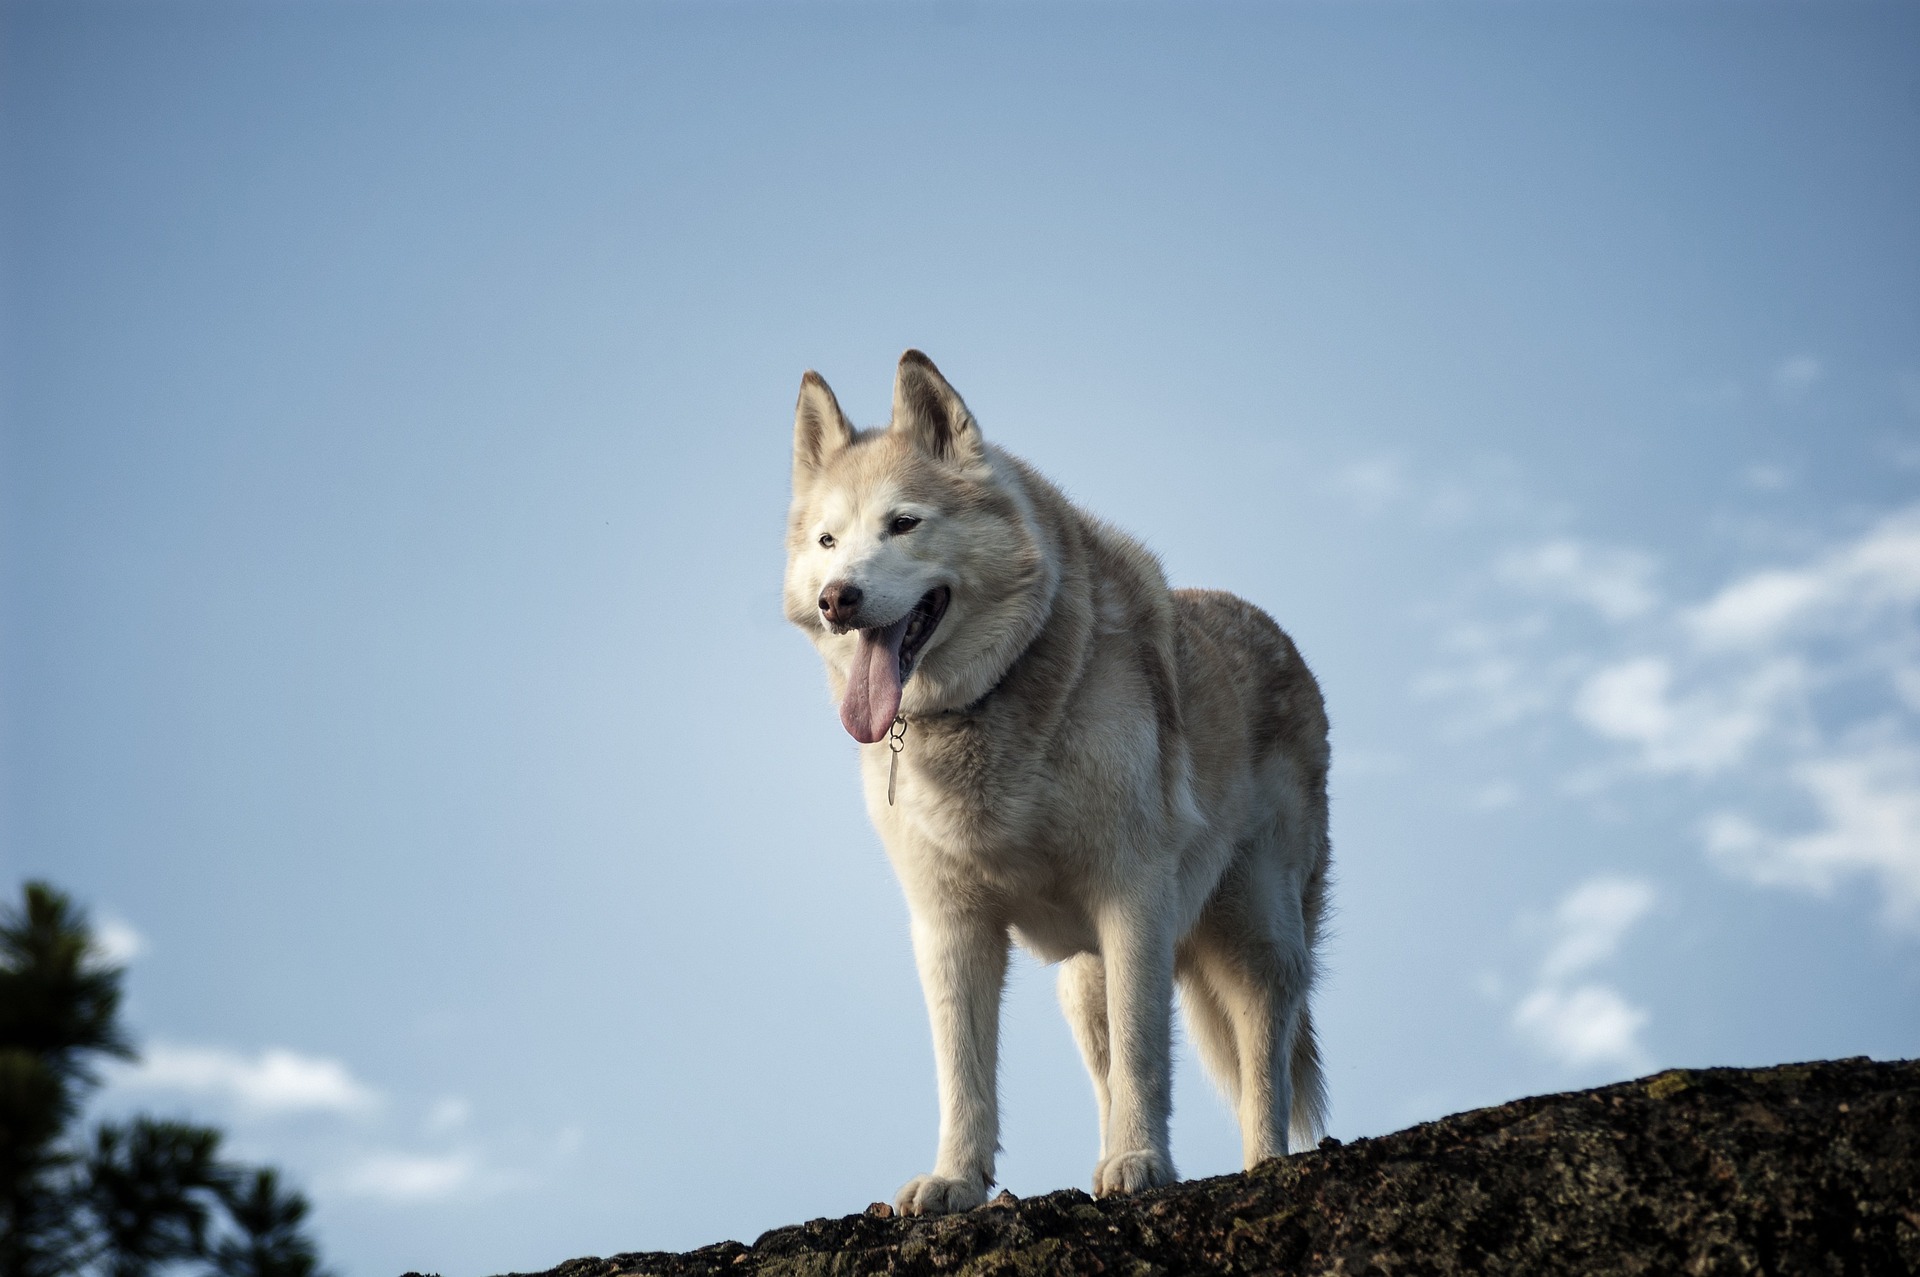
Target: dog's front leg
963	966
1136	948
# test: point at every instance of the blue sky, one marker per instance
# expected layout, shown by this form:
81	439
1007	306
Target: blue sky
396	421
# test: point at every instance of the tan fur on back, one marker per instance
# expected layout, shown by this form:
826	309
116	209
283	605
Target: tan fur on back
1128	780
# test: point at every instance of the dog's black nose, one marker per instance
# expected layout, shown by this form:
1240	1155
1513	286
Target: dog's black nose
840	600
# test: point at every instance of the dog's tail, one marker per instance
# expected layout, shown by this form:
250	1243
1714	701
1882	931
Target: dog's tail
1308	1120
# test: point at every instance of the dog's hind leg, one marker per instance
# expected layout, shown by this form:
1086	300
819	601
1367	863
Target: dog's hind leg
1262	1024
1249	950
1083	999
1211	1026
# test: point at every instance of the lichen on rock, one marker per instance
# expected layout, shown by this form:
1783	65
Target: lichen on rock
1811	1168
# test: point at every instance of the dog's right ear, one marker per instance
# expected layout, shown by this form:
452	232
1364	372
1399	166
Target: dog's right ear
820	429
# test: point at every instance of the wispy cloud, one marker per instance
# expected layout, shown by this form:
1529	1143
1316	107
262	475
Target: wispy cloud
1583	1023
1701	731
360	1143
1590	922
115	942
1847	619
1615	583
1487	490
1788	697
1591	1025
1868	798
467	1169
411	1177
1871	580
274	1081
1490	677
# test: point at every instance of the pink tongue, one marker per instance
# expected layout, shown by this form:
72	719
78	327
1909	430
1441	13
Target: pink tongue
873	684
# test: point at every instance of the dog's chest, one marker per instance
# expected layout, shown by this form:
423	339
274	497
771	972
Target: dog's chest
1010	845
965	785
1036	884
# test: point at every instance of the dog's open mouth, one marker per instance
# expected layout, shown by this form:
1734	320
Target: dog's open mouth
921	621
882	663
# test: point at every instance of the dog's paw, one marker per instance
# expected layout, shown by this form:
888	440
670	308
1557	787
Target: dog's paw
1132	1172
937	1195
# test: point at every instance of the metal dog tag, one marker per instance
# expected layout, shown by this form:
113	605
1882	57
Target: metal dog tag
896	741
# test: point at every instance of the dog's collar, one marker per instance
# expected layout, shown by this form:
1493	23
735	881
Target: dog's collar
970	707
896	737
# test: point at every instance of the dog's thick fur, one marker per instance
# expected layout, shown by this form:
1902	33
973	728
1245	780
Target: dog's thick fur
1129	780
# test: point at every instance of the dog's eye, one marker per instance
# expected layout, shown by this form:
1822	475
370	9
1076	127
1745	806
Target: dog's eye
826	540
902	523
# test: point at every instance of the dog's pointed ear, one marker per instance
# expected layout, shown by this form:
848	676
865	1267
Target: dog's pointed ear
820	429
931	413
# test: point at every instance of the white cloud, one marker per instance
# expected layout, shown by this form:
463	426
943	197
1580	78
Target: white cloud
369	1157
115	942
471	1170
1872	579
1753	609
1791	681
410	1177
1585	1027
1489	682
1869	802
274	1081
1614	583
1591	921
1703	732
1849	616
1629	701
1589	1024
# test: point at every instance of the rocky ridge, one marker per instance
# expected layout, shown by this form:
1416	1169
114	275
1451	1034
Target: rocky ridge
1801	1168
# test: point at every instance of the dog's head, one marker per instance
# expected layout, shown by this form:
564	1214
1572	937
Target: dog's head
912	560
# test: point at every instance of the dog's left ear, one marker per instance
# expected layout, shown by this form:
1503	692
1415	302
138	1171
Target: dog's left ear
931	413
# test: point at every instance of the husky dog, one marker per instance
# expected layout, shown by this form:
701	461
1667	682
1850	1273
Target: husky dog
1058	749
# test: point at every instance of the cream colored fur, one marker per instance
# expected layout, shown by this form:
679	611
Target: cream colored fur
1128	780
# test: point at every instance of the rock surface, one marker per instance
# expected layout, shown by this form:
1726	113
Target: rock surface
1803	1168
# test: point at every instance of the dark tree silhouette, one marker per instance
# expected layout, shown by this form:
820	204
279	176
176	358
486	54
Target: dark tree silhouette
141	1194
58	1000
148	1186
269	1241
59	1009
40	1232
